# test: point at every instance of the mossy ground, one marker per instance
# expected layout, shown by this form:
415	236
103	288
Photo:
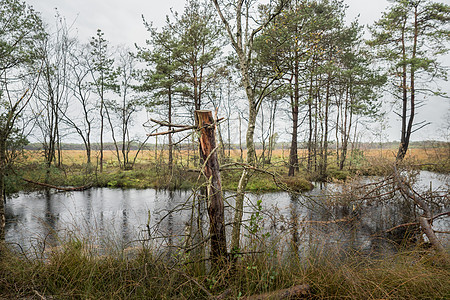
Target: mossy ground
151	173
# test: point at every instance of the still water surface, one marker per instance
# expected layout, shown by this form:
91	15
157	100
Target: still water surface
120	217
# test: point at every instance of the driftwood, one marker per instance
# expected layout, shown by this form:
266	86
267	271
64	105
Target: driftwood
59	188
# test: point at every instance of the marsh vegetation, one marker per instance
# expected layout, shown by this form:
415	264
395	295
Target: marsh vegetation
239	154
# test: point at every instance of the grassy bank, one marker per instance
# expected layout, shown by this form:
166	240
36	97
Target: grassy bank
145	174
149	172
73	271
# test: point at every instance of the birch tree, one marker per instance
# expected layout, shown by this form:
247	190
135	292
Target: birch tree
103	79
239	20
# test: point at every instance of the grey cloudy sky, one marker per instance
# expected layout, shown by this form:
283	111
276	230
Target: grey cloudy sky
120	20
122	24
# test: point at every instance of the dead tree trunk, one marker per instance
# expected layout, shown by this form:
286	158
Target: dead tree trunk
208	151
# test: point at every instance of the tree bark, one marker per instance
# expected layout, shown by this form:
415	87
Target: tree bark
208	151
2	187
345	130
293	154
170	128
412	96
404	141
242	42
101	135
426	227
310	126
323	170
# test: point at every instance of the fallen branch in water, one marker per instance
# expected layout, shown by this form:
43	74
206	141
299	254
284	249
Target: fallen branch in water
402	225
59	188
447	213
426	227
426	218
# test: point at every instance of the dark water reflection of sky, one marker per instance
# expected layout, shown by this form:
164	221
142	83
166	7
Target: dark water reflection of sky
117	217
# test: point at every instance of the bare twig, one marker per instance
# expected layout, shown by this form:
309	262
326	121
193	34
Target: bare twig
402	225
417	223
167	124
172	131
446	214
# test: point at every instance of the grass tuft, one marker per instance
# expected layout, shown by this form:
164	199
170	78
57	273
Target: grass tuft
73	271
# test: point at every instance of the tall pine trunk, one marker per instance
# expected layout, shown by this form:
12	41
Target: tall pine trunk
2	188
293	153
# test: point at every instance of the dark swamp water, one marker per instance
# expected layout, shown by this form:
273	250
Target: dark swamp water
122	219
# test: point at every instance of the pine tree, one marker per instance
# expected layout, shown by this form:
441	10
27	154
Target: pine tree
409	38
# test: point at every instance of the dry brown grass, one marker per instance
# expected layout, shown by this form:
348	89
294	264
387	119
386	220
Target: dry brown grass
416	153
70	157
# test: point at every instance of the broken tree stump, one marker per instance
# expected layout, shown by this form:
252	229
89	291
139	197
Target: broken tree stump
208	151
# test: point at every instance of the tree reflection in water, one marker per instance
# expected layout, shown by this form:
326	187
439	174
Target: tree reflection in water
296	223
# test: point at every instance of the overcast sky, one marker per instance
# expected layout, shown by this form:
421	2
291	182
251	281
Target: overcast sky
121	22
